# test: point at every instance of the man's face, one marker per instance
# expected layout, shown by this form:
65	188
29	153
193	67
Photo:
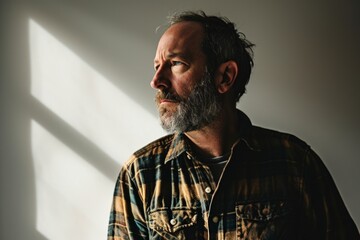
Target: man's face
187	98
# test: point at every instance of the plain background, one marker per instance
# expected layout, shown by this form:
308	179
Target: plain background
76	102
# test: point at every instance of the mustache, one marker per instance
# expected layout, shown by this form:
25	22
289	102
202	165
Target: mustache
165	95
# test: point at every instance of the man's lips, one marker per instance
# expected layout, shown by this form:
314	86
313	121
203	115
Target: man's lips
165	100
166	97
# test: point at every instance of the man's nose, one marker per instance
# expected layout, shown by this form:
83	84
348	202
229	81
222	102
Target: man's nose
161	79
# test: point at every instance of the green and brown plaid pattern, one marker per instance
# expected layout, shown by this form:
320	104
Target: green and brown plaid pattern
273	187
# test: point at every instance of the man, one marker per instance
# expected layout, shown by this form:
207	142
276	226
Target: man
217	176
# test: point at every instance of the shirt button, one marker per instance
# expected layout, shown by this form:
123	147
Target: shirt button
173	221
208	190
215	219
265	211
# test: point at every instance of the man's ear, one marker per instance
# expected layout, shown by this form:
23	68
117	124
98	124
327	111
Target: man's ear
226	76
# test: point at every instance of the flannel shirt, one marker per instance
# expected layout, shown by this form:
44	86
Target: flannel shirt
273	187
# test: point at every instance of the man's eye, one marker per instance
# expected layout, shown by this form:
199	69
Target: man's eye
176	63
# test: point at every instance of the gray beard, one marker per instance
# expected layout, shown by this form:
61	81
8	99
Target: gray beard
200	109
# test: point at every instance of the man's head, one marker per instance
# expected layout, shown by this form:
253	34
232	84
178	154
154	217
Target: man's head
199	60
222	42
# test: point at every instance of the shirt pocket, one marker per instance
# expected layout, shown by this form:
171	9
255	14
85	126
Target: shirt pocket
264	220
175	224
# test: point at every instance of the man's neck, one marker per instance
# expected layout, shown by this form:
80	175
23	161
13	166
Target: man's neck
217	138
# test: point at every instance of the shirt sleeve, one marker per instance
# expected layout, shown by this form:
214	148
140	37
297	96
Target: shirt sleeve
325	214
127	219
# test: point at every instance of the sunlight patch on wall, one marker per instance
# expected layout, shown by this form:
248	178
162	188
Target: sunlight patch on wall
87	101
73	197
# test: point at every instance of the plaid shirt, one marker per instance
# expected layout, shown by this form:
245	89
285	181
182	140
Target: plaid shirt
273	187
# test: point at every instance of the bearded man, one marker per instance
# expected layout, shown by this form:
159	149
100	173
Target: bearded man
216	176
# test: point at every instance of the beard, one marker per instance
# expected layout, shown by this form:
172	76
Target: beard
199	109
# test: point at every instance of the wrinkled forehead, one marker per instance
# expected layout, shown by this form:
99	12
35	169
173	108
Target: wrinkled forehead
181	37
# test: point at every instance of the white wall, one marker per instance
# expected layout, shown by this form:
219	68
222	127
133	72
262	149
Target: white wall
76	102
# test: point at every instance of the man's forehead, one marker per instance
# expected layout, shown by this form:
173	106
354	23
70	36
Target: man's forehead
179	37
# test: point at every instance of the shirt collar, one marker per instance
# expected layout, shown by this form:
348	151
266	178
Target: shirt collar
247	134
177	147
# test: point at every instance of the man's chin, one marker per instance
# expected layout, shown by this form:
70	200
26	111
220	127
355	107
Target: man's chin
166	111
167	125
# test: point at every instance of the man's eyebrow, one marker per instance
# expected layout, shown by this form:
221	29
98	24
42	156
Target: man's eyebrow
171	55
